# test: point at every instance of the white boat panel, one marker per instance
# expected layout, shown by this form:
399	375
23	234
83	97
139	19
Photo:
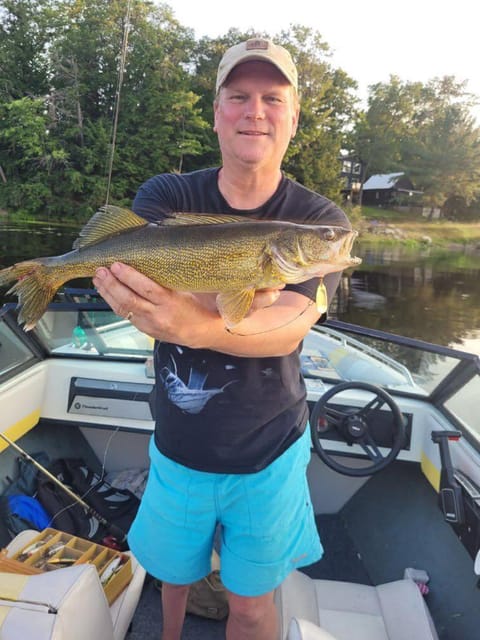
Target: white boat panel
22	401
62	371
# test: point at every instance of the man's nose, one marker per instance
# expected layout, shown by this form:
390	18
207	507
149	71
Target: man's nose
255	109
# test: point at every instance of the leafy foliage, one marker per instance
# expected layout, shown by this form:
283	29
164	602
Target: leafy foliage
426	131
60	84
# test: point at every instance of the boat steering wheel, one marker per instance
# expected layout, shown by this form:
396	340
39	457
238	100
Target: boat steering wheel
354	426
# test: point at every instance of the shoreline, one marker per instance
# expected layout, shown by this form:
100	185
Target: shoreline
444	234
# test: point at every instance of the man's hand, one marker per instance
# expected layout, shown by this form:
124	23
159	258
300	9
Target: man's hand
159	312
141	300
275	325
265	298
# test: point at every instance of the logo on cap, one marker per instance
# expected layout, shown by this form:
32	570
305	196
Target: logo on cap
256	43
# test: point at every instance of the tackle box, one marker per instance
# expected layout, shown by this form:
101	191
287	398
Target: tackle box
53	549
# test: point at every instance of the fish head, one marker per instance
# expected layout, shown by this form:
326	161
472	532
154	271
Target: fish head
314	250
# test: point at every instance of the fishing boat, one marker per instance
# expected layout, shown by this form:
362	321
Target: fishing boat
394	474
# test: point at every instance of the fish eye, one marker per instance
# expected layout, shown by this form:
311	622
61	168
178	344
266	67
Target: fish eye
329	234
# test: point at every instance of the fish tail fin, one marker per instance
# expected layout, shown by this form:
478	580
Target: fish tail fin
35	286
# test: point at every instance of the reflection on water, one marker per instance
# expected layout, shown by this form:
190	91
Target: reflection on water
429	295
22	241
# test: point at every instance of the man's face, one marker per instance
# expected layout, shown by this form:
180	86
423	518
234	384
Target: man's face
256	115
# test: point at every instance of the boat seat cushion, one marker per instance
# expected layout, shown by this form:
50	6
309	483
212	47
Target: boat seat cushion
121	611
300	629
67	604
347	611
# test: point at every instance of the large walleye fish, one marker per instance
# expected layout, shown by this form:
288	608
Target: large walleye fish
230	255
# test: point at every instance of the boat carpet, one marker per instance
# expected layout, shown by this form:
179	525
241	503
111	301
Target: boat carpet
341	559
396	523
147	621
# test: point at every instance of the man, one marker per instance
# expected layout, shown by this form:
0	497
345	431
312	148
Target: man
231	445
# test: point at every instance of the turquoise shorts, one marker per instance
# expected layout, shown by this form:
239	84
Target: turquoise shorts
266	522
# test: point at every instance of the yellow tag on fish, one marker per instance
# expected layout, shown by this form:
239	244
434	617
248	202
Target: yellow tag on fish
321	299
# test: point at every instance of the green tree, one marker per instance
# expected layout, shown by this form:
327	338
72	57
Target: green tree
426	131
444	155
161	120
158	118
327	106
388	121
29	156
24	35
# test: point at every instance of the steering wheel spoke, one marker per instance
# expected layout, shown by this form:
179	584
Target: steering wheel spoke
334	416
371	449
354	426
375	404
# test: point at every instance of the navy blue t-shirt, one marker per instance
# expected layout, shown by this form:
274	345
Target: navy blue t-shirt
217	412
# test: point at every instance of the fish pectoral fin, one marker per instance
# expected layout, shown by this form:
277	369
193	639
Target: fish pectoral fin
179	218
108	221
321	299
233	306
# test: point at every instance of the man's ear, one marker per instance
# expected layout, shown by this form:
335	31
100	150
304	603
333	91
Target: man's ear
215	109
295	119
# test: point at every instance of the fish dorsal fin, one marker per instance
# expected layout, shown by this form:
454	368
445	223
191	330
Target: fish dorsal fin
233	306
180	218
108	221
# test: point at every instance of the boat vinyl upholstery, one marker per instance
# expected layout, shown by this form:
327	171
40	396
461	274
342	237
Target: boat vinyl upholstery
83	610
332	610
60	605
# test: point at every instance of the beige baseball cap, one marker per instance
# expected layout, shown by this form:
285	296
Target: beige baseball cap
257	49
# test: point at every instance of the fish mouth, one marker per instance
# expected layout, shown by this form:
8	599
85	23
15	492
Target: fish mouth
349	244
345	257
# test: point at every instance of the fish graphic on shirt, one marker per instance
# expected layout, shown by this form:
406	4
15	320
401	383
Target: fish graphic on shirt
191	397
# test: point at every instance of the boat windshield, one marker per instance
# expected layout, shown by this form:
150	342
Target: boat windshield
92	332
340	352
85	327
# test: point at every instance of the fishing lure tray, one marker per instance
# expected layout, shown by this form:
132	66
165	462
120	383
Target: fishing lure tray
53	549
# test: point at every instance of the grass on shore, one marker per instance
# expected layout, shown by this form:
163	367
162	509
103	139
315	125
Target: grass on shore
416	228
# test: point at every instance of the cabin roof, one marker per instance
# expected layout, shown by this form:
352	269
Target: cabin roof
382	181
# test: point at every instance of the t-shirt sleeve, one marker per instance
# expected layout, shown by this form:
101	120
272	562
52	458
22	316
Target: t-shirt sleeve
156	198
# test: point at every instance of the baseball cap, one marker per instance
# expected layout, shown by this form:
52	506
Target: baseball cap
257	49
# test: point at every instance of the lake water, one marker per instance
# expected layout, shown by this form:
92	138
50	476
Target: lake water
428	295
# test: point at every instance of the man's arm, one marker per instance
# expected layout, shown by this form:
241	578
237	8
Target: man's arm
190	320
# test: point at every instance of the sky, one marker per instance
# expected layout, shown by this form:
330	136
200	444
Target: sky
369	39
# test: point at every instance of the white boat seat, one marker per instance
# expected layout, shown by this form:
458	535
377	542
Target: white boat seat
89	610
329	610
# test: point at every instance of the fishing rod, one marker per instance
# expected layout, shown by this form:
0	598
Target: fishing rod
116	111
115	531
